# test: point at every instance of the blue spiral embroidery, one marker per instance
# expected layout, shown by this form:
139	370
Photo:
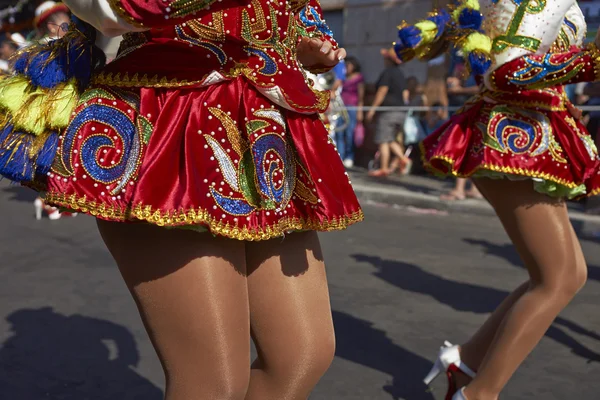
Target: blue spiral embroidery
121	125
316	21
260	148
511	138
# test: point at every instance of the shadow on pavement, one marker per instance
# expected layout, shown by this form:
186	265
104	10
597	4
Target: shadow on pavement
20	193
53	356
508	252
467	297
359	342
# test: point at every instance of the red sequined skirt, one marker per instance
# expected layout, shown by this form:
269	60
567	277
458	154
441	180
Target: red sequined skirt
532	135
221	158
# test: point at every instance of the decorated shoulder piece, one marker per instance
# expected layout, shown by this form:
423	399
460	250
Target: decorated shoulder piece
37	101
462	26
540	71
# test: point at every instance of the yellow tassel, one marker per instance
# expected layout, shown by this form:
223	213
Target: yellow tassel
428	31
477	42
14	92
61	105
31	116
472	4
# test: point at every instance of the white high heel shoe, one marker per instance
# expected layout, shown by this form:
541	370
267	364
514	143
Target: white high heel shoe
52	212
460	395
449	361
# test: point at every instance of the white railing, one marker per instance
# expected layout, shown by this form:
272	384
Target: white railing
426	108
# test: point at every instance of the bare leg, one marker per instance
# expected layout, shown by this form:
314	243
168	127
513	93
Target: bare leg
290	317
473	191
384	150
398	150
542	233
458	193
194	304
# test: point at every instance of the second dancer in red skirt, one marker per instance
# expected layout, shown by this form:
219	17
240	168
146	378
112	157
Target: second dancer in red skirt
522	142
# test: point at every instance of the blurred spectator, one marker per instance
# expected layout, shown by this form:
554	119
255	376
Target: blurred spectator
353	95
414	96
592	90
436	118
8	48
340	76
461	86
51	20
390	88
435	85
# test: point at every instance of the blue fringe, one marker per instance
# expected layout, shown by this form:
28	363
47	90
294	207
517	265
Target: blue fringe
14	158
6	130
470	19
80	63
479	63
48	71
441	20
21	64
73	57
410	36
403	53
47	154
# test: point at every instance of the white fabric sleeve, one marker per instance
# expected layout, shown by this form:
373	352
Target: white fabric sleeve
101	16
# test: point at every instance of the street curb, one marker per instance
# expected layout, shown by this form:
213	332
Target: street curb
402	197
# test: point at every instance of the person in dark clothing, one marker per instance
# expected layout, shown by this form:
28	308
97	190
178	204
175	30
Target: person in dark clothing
390	88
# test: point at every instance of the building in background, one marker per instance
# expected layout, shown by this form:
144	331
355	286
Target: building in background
364	27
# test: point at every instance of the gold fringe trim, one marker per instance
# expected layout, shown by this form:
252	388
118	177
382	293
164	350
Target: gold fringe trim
595	54
137	81
450	163
124	80
199	217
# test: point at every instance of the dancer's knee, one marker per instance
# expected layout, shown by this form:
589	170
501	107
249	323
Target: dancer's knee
305	362
223	380
564	286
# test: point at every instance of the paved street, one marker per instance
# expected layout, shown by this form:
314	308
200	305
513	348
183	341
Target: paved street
401	283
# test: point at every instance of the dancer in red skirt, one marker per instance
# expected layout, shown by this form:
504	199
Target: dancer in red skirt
523	144
200	152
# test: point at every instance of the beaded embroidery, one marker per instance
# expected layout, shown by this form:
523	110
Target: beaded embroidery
104	139
266	173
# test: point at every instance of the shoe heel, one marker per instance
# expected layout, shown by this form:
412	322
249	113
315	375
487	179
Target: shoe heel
437	369
38	205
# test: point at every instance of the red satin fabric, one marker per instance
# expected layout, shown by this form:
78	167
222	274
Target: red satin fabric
255	39
529	135
202	143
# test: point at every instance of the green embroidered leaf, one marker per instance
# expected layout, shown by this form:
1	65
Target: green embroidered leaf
255	125
145	128
247	179
489	140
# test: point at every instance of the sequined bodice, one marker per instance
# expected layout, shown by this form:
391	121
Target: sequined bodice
522	27
251	38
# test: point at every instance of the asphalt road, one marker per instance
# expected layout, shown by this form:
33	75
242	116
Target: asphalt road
401	283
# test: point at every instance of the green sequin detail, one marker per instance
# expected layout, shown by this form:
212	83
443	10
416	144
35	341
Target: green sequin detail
95	93
510	38
145	128
184	8
247	179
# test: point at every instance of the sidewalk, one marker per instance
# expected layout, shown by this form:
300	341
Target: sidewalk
424	192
